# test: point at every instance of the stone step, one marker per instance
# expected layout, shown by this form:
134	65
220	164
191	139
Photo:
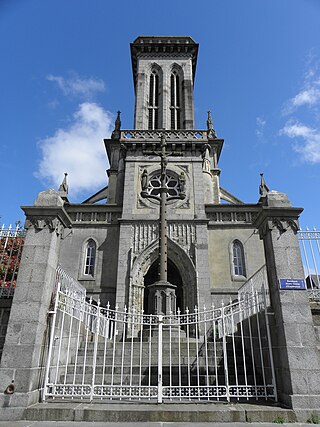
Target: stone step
135	346
145	359
145	369
135	367
146	352
182	411
145	380
135	380
126	360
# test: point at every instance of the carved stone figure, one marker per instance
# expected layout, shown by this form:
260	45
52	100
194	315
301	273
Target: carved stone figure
182	184
144	181
206	164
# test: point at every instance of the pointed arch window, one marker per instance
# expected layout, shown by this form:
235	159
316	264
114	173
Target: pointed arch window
154	101
175	101
90	258
239	267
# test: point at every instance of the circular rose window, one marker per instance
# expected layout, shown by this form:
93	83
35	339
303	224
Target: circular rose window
172	185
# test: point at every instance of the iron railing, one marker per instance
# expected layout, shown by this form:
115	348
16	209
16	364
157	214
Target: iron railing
310	251
257	283
69	285
11	245
216	354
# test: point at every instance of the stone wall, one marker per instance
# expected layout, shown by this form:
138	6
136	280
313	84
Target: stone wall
72	258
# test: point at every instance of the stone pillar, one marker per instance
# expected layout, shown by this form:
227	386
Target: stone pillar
141	92
207	187
296	356
120	175
162	298
112	186
124	264
187	90
26	345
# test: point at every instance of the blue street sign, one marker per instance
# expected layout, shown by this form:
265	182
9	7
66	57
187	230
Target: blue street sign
292	284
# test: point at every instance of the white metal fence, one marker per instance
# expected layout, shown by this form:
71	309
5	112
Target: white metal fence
11	245
310	252
257	283
69	286
215	355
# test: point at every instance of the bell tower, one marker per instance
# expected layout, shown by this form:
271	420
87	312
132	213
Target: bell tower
163	73
163	155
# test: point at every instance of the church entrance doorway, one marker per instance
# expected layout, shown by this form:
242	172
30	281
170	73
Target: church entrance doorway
144	272
174	277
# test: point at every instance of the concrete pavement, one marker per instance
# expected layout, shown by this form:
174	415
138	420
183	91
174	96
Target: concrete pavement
147	424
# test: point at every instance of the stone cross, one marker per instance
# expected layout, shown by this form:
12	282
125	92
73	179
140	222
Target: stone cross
162	293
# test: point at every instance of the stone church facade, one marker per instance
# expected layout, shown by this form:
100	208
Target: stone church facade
214	244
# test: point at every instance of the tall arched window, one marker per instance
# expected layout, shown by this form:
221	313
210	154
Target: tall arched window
239	267
90	258
154	101
175	101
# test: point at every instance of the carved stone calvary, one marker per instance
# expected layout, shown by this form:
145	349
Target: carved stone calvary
162	296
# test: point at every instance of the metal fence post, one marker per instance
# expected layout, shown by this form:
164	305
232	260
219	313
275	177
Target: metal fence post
51	341
160	319
225	355
95	349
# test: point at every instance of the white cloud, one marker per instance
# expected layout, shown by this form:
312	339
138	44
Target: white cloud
78	150
309	148
75	86
260	122
309	95
305	138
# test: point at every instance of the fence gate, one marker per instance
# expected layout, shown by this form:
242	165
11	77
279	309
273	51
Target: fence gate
218	354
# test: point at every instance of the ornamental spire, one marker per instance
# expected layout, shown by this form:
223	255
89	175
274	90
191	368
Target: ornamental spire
64	188
263	188
117	123
211	132
117	127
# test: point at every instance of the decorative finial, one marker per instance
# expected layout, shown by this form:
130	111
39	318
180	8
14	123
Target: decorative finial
64	188
117	127
211	132
117	123
263	188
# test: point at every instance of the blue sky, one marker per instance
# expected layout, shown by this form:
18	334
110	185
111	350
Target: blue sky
66	70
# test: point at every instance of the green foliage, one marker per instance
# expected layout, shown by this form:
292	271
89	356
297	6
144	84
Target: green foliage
279	420
314	419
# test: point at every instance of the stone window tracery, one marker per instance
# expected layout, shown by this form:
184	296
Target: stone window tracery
239	267
90	258
153	101
175	101
172	184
